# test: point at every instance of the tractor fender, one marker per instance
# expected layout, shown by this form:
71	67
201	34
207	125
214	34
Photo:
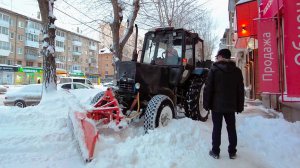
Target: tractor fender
168	92
200	71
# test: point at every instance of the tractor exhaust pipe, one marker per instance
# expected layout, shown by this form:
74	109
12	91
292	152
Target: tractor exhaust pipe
135	54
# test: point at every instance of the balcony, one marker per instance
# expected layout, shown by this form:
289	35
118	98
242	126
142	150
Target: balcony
59	38
94	48
4	23
76	43
59	49
33	31
32	44
4	52
76	53
59	61
92	60
93	65
31	57
4	37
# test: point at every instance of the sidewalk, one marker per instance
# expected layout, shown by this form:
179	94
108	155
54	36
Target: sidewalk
255	107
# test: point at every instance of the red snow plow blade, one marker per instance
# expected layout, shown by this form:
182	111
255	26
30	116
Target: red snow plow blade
84	124
85	133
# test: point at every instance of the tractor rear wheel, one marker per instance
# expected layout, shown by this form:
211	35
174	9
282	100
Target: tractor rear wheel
194	100
159	112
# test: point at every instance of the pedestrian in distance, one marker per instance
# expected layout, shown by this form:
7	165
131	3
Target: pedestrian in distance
224	95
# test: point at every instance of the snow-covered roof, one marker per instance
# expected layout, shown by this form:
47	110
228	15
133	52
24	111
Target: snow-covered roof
104	51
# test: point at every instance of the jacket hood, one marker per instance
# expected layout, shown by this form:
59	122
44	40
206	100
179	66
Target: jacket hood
225	66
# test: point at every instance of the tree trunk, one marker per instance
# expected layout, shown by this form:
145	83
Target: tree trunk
48	51
119	42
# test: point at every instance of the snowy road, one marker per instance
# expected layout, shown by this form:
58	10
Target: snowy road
39	137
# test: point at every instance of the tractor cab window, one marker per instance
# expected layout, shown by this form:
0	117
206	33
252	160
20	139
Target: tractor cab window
199	51
163	49
189	51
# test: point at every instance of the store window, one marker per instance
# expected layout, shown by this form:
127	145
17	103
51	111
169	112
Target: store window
29	64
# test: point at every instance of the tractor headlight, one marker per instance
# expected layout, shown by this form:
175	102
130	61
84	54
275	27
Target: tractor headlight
137	85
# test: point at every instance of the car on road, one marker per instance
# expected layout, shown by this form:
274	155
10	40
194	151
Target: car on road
75	79
27	95
73	85
30	95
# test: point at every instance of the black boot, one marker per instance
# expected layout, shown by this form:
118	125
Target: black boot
232	155
214	155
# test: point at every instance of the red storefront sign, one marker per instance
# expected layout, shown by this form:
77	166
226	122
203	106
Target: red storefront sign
245	13
269	8
292	46
267	57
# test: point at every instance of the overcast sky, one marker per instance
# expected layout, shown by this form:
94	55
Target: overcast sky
219	10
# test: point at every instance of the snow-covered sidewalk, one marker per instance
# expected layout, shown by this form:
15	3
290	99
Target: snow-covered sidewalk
39	137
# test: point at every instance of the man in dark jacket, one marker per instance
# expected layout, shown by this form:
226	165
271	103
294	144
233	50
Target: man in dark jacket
224	95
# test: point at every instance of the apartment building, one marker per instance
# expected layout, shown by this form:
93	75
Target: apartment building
106	68
106	40
20	44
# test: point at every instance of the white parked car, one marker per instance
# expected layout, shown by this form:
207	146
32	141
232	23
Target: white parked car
3	89
27	95
73	85
75	79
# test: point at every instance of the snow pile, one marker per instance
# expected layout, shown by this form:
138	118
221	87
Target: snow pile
275	140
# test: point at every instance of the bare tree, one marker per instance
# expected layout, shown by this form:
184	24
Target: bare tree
118	41
49	67
116	13
175	13
204	26
188	14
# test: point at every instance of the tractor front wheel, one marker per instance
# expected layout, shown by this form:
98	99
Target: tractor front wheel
159	112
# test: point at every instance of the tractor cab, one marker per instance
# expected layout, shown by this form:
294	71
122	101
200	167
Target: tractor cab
172	47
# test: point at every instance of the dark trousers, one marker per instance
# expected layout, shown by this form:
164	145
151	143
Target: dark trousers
217	119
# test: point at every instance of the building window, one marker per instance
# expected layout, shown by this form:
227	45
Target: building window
11	22
19	62
21	24
11	49
60	33
20	37
4	17
3	30
106	72
32	37
9	62
20	50
29	64
12	35
59	44
76	49
4	45
34	25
